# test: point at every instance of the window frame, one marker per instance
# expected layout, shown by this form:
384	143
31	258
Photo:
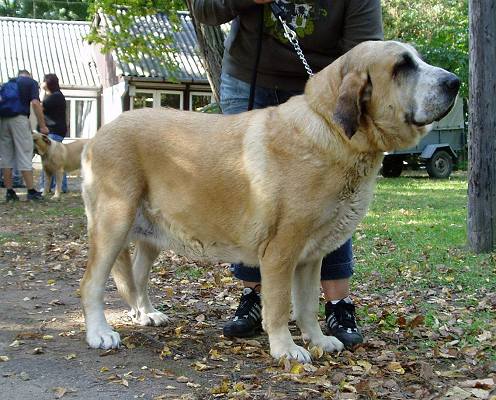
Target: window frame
198	93
157	96
71	132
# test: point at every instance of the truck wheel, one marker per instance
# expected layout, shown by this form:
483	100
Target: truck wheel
391	167
440	165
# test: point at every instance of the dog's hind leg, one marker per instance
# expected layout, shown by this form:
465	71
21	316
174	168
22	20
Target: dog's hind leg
59	175
107	233
122	273
143	311
47	182
305	295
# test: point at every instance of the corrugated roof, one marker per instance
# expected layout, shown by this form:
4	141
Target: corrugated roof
191	67
43	46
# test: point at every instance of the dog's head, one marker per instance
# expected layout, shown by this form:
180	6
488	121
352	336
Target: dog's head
387	92
41	143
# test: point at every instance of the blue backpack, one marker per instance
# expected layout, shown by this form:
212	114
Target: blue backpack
10	99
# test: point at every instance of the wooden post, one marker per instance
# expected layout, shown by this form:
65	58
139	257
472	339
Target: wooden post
482	126
211	43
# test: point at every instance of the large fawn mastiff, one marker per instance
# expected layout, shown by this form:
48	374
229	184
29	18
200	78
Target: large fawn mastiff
279	187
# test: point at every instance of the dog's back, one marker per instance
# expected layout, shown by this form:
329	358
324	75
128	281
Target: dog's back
73	152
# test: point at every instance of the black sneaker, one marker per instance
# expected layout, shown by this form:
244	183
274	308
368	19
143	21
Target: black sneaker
11	195
34	195
247	320
341	323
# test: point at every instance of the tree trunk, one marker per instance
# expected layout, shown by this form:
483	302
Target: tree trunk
211	42
482	126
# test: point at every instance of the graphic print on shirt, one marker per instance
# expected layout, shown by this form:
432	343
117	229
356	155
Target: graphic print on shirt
299	15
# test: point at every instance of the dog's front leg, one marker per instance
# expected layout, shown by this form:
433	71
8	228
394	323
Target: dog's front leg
277	270
59	175
306	293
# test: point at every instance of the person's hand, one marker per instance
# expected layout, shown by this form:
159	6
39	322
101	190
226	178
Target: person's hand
44	130
262	1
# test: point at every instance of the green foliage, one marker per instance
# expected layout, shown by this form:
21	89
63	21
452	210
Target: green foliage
45	9
439	30
121	34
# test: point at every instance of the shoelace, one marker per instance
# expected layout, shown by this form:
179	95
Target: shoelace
247	303
344	315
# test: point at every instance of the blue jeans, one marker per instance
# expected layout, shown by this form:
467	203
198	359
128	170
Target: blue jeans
234	95
57	138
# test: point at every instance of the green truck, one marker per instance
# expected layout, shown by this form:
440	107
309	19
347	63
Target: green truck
439	151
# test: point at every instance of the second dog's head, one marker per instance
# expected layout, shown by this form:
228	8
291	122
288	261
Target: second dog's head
41	142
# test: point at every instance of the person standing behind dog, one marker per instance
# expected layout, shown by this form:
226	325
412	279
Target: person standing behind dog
326	30
54	110
16	144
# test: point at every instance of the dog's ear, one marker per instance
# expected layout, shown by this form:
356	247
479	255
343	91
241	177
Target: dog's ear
46	139
354	91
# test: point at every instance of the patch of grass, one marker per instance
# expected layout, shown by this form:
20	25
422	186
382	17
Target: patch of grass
8	237
414	239
190	271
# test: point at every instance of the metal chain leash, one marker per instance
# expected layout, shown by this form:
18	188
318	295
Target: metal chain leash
293	39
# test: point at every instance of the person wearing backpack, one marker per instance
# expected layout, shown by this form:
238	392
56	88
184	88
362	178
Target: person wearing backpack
16	144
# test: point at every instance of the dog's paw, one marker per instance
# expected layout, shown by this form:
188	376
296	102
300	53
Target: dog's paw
328	343
103	338
154	318
56	198
292	352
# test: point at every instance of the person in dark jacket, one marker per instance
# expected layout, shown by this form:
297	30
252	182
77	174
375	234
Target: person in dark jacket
54	110
326	29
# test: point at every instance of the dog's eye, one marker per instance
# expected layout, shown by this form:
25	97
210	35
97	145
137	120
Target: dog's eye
405	64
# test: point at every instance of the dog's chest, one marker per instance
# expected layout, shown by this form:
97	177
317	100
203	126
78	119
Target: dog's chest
341	215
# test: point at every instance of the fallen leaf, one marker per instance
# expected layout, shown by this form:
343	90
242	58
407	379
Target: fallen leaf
365	365
480	394
38	350
215	355
24	376
316	352
128	342
478	383
417	321
221	389
456	393
297	368
4	358
182	379
70	356
202	367
395	367
59	392
486	335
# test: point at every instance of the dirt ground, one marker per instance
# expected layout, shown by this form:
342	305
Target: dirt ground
43	354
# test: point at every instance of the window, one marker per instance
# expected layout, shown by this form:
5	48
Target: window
157	98
143	100
198	100
171	100
82	117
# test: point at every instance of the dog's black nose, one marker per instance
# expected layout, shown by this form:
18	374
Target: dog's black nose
451	83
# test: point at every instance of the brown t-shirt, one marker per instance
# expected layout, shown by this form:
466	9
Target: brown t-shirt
326	30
